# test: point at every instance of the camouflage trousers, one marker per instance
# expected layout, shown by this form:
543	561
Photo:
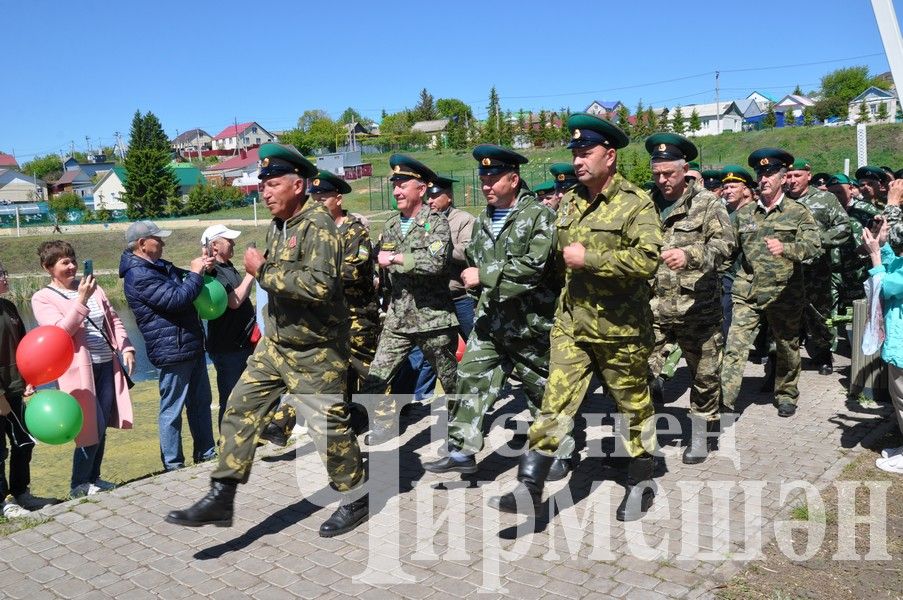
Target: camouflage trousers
363	347
702	345
317	376
438	348
819	305
487	363
622	365
784	326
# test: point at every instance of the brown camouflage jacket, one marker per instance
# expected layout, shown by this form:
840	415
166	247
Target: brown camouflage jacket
357	270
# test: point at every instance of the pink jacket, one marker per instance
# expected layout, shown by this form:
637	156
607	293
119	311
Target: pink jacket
50	308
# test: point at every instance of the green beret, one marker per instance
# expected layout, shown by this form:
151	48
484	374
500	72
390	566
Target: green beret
589	130
694	166
281	159
670	146
441	184
736	173
545	187
870	172
801	164
820	179
496	159
711	178
404	168
327	182
564	175
840	179
770	159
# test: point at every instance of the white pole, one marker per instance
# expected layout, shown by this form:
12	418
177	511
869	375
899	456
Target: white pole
846	167
255	210
862	156
18	232
889	28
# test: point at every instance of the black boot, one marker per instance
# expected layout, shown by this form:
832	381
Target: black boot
274	434
640	489
825	362
213	509
346	517
560	469
531	473
700	443
770	374
466	465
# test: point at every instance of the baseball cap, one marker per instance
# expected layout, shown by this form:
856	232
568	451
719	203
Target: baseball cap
144	229
218	231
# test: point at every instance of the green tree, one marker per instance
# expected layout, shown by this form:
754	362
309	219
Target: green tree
634	166
808	116
460	118
651	121
695	124
882	113
624	120
640	126
797	91
491	131
789	118
61	204
664	124
538	129
349	115
677	122
863	116
849	82
48	167
771	119
309	116
150	185
827	107
564	134
425	110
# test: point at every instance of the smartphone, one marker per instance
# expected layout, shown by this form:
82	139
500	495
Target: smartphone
89	268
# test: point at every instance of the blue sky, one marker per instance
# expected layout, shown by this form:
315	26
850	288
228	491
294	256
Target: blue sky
79	69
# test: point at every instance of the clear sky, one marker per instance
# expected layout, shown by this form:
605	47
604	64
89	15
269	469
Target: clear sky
76	69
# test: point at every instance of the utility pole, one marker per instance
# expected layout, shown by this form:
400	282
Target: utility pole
237	138
119	145
717	103
87	145
197	137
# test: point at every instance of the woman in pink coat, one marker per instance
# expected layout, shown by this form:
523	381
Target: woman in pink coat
95	377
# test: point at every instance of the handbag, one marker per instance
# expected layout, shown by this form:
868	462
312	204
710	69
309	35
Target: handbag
125	373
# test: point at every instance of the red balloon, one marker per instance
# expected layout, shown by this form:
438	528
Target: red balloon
44	354
461	345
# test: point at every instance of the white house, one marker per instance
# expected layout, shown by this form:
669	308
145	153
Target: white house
109	190
191	140
793	103
605	109
19	187
761	99
434	129
731	117
243	135
874	97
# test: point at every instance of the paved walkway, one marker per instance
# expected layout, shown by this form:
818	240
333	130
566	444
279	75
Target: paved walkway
437	538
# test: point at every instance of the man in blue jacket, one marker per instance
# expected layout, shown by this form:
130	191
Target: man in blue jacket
161	295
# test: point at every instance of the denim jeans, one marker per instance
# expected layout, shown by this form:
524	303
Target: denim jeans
86	460
423	386
229	367
185	384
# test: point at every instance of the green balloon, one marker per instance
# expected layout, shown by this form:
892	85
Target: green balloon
213	301
53	417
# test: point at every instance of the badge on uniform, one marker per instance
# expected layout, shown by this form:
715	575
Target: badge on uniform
388	246
363	253
435	247
749	227
292	241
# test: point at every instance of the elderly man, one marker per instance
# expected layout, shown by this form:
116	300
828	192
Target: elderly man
776	235
416	249
609	241
834	226
304	351
229	336
686	303
547	194
509	267
161	296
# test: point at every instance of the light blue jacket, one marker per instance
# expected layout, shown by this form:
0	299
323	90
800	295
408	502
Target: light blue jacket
892	300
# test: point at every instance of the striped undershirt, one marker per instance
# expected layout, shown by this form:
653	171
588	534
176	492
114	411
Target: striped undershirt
498	216
406	225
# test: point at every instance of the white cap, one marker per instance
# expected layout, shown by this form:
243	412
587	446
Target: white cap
218	231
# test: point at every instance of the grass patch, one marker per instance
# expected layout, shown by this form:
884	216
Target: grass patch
801	512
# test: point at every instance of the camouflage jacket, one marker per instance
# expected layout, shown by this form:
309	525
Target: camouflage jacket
302	277
460	223
831	217
517	277
419	296
699	225
609	297
862	212
357	270
763	278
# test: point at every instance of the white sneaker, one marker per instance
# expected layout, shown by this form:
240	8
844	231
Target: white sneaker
894	464
11	510
80	490
888	452
103	486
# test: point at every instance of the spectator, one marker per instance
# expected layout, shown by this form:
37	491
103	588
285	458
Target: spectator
95	378
15	496
161	295
229	337
886	253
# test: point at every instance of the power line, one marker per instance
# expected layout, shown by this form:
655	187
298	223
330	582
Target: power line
806	64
